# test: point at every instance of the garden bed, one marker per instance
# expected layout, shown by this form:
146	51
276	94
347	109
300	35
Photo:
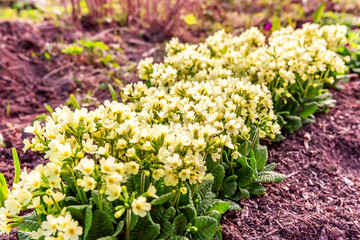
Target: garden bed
319	199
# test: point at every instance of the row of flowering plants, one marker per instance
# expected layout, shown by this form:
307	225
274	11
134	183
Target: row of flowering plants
145	171
178	151
293	64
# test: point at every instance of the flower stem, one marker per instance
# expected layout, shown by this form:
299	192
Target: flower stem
142	183
100	200
56	203
128	223
77	188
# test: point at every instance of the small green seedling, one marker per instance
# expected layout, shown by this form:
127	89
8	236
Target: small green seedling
113	93
4	191
74	102
16	165
49	108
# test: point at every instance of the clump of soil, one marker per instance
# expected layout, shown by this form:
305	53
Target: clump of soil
320	199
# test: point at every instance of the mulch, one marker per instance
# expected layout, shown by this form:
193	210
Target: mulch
320	199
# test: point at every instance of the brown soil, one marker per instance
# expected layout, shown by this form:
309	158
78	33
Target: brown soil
319	199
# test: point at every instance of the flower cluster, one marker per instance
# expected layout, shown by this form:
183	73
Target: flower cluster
227	108
200	120
305	53
163	137
292	64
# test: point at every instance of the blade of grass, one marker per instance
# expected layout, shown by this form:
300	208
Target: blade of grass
49	108
113	93
17	165
74	102
319	12
4	191
8	109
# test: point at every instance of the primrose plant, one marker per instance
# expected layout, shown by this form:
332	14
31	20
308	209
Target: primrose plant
111	174
162	166
293	64
96	52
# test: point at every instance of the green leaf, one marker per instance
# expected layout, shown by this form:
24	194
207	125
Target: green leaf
221	207
228	189
188	210
177	237
243	149
234	206
219	174
261	156
16	165
24	235
101	225
49	108
145	229
276	23
4	191
108	238
77	211
119	228
319	12
217	236
74	102
157	213
214	214
106	205
70	187
180	222
32	224
224	50
231	178
162	216
31	221
308	120
237	196
293	122
70	200
246	173
270	176
206	228
245	193
269	167
278	138
256	189
166	230
87	220
112	92
170	213
308	109
163	199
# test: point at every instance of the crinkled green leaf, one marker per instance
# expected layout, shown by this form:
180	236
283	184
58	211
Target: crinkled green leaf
101	225
145	229
206	228
270	176
163	198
